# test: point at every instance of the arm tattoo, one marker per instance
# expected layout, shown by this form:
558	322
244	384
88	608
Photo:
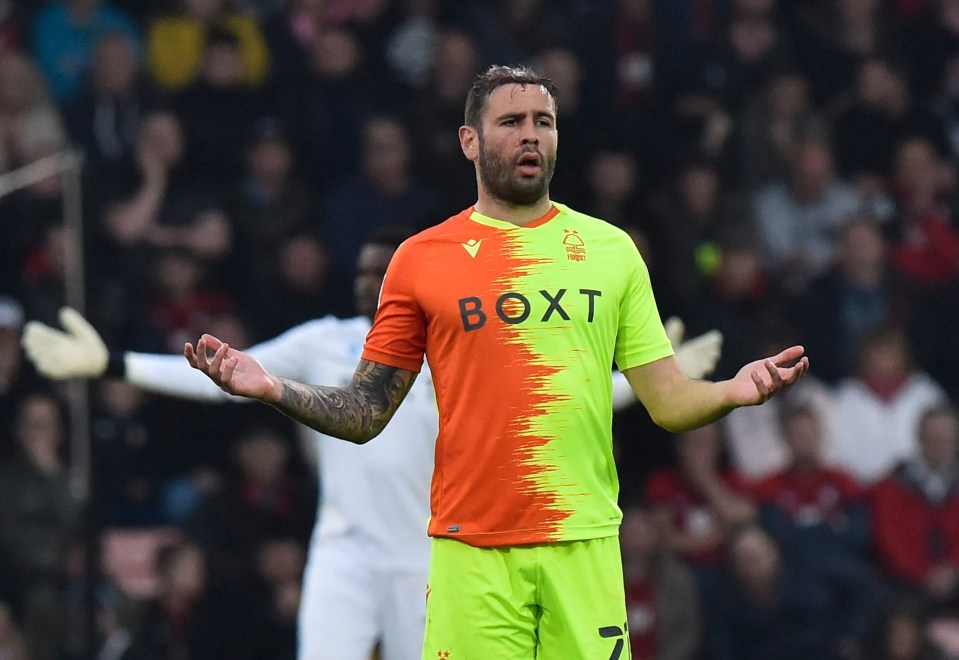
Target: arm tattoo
357	412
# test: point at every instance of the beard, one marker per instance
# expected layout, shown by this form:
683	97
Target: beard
501	181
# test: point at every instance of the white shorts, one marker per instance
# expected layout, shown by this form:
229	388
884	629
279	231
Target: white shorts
349	604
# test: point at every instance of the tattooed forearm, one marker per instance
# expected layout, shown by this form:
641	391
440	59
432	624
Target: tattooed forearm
357	412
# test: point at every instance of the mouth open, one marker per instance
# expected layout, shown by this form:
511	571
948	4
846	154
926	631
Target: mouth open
529	163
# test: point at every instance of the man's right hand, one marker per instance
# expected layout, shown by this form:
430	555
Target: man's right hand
233	371
79	352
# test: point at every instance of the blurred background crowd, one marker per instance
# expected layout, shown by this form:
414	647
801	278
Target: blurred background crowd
788	168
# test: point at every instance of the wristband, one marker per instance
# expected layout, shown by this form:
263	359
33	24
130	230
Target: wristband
116	365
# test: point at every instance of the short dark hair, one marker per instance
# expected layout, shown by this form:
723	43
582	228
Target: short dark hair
497	76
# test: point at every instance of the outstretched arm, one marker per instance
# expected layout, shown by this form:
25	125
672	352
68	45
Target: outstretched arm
678	403
356	412
78	351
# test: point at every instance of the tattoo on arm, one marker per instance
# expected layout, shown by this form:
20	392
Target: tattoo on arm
357	412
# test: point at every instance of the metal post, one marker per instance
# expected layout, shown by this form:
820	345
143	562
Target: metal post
69	165
75	285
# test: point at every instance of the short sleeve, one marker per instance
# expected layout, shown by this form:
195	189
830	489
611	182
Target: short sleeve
641	338
398	335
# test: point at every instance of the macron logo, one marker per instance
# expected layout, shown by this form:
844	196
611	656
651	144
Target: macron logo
472	246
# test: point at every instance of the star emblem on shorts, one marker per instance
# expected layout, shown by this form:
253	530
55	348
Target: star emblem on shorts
443	655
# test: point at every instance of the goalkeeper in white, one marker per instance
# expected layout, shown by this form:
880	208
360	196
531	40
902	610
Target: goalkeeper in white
366	573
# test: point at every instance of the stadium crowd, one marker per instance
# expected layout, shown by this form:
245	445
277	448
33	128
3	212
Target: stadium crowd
788	168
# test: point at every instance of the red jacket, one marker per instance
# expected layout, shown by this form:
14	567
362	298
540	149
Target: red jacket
912	534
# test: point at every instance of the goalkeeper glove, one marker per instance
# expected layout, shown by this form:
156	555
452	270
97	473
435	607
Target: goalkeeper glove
77	353
698	356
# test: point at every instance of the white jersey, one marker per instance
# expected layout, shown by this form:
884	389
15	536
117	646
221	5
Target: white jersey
378	492
877	434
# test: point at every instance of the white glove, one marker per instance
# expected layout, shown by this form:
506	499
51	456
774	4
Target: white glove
697	357
77	353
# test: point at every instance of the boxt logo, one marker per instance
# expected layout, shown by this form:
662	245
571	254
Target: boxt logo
514	308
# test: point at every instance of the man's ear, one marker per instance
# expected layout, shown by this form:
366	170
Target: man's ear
469	142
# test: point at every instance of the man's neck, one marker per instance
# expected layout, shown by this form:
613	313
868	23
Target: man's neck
517	215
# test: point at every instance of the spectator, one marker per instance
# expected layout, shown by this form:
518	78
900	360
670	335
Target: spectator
411	46
916	513
739	300
756	441
883	115
130	464
328	107
901	634
699	501
661	597
927	249
30	126
929	44
279	565
386	192
38	518
859	293
636	73
267	496
766	606
437	113
291	35
808	507
165	208
44	275
183	302
742	60
615	187
183	619
563	67
218	111
687	27
299	286
880	406
691	216
17	378
800	218
64	36
836	37
772	126
105	116
176	43
271	201
272	208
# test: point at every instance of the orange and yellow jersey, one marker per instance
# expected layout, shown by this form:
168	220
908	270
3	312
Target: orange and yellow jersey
521	326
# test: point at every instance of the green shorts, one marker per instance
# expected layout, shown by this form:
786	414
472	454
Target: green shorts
555	601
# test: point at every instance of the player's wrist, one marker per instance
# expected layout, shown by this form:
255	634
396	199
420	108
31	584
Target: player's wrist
728	397
116	365
274	391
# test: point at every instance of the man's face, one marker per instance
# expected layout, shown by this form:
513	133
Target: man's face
517	142
371	268
804	438
938	440
386	150
114	65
